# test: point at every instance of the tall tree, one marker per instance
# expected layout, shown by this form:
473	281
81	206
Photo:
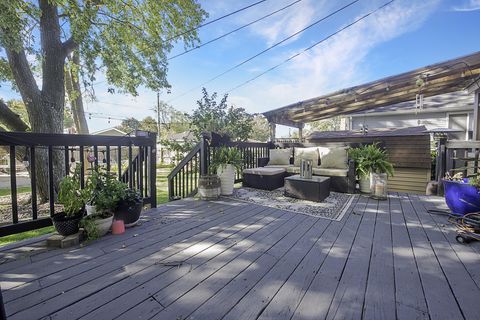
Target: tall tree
213	116
128	40
261	129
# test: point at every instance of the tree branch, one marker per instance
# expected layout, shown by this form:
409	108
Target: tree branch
10	119
22	74
69	46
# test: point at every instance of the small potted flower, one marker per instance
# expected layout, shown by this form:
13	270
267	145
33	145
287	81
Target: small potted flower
73	199
104	191
129	207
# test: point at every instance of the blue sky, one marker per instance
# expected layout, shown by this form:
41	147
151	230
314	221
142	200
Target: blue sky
405	35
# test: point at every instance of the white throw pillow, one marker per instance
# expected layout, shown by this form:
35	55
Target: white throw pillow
280	156
333	158
307	154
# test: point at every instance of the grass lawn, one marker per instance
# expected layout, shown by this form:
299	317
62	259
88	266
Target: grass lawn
25	235
6	191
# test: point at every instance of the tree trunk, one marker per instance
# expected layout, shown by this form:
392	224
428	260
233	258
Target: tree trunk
74	92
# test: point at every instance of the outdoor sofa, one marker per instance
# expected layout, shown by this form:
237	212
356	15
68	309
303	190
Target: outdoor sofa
329	161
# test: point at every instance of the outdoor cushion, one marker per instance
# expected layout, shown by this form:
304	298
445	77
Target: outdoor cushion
307	154
280	156
334	158
330	172
283	166
264	171
295	170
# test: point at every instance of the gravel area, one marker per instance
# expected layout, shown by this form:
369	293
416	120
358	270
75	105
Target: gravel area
24	208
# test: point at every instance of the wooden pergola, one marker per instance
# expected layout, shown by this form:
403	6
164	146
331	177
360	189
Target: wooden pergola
462	73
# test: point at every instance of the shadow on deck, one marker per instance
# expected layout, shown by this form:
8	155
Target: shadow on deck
193	259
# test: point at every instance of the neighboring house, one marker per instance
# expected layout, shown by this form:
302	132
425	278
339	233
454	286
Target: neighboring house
110	132
166	155
452	110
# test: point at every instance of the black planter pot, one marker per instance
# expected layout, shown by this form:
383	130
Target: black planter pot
67	225
129	213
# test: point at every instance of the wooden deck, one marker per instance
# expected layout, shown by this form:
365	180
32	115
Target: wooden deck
230	260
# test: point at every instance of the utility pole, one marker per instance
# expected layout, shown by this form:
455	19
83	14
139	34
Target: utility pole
158	114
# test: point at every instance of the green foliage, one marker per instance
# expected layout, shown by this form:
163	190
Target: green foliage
149	124
213	116
261	129
475	181
131	196
171	120
90	227
332	124
226	155
370	158
129	39
129	125
19	108
104	191
71	195
25	235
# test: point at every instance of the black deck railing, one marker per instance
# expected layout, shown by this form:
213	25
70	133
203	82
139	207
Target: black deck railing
137	154
183	180
461	156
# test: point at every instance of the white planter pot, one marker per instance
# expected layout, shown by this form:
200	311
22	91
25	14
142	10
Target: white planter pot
90	209
103	225
226	173
365	184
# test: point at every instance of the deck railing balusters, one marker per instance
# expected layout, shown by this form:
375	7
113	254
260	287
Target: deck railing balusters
13	184
33	182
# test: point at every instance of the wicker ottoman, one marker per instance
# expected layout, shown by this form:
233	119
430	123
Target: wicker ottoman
264	178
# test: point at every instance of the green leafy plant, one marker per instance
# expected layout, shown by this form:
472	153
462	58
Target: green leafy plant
104	190
131	196
226	155
71	195
370	159
90	227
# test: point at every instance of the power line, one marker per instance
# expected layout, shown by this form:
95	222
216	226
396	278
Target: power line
265	50
311	47
214	20
235	30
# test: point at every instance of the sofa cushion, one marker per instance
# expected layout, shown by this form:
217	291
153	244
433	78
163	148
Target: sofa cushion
264	171
283	166
307	154
295	170
330	172
333	158
279	156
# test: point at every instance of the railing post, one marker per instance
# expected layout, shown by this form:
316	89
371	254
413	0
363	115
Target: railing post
203	155
153	170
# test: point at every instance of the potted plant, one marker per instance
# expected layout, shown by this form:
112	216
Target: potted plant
209	187
462	195
105	192
73	200
370	159
226	161
129	207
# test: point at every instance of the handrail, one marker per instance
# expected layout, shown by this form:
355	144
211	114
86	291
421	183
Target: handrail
182	181
184	161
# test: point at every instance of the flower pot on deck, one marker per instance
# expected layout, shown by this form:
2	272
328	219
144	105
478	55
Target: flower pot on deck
461	197
129	212
226	173
364	184
209	187
67	225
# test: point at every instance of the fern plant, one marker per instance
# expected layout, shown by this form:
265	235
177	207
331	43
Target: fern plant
226	155
371	159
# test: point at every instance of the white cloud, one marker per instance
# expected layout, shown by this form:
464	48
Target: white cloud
470	5
339	62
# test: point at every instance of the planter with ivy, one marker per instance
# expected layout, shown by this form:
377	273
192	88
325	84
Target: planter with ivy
72	197
370	160
226	161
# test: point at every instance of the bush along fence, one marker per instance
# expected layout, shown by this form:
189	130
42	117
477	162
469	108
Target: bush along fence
183	180
49	157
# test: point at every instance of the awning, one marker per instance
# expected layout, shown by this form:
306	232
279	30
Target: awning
450	76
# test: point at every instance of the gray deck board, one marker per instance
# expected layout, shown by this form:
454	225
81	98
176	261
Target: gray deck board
234	260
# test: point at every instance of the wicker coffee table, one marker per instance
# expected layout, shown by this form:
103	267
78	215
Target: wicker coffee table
315	189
